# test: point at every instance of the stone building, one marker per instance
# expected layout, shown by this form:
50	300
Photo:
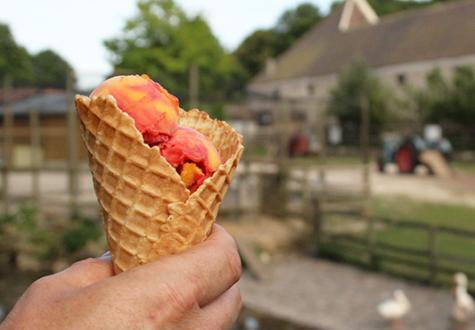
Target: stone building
400	48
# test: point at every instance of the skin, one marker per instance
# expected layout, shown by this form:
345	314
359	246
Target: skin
192	290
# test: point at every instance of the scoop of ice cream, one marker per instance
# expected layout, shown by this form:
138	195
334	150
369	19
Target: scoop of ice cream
192	154
154	110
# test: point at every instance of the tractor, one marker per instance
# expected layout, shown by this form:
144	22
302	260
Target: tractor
414	154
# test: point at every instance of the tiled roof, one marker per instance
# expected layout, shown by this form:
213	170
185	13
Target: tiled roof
47	102
439	31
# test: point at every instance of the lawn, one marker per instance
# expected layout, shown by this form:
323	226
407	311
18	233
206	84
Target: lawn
468	167
403	209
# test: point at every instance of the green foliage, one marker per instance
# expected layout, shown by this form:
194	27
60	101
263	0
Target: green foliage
25	232
387	7
50	69
19	231
45	69
448	101
15	61
263	44
162	41
84	231
256	49
293	23
356	84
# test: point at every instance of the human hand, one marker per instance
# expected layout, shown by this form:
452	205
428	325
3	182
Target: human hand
195	289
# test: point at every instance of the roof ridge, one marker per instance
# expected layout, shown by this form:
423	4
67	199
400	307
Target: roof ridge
412	35
318	26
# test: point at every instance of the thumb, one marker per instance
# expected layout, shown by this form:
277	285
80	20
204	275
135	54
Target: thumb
88	271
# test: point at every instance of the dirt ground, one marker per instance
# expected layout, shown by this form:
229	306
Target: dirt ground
307	291
455	190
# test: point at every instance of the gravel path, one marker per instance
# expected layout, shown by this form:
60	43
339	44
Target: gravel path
456	190
326	295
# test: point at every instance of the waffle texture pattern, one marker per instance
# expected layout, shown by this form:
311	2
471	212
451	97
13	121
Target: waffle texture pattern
148	212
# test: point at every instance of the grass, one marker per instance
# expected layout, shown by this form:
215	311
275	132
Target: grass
468	167
401	208
404	209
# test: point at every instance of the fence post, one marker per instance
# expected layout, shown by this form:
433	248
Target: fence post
35	155
237	208
366	191
321	129
432	233
7	143
72	147
317	223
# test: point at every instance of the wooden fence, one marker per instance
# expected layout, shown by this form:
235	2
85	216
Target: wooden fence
427	258
369	249
317	206
34	133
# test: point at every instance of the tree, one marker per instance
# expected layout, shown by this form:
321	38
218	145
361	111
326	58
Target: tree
450	102
293	23
15	61
162	41
386	7
355	85
263	44
255	50
50	69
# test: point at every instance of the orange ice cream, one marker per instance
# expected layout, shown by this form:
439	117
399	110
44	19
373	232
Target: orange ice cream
192	154
154	110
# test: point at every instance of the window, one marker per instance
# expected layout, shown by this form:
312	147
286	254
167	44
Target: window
401	79
311	89
264	118
298	115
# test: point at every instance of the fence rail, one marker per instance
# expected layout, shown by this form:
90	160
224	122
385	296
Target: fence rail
427	259
276	163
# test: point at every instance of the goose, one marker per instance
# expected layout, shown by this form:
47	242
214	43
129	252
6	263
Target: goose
395	309
464	306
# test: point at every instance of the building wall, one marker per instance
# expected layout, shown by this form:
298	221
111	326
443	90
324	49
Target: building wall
53	139
397	77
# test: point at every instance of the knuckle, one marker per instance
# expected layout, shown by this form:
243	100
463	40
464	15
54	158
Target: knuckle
234	263
196	285
179	300
227	239
84	263
40	286
239	301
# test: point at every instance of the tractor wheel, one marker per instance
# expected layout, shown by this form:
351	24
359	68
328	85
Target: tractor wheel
405	159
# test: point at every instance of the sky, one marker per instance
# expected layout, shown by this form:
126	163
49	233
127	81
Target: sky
76	28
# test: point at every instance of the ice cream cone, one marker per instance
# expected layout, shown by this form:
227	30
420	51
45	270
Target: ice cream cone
147	210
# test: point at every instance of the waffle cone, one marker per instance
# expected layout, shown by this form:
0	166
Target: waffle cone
147	210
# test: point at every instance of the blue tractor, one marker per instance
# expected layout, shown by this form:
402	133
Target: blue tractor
406	154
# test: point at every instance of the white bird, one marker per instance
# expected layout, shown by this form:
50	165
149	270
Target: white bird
395	308
464	306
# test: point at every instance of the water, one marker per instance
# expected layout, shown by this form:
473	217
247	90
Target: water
253	320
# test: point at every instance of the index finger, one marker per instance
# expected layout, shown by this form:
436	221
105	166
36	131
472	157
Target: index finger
201	273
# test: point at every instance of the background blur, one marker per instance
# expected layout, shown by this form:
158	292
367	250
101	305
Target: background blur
359	125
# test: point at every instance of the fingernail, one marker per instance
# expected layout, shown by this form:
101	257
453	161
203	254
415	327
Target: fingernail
106	256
